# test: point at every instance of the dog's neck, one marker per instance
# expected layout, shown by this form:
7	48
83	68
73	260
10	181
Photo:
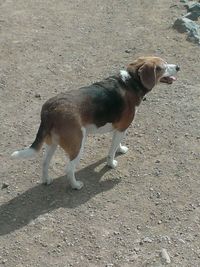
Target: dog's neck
132	82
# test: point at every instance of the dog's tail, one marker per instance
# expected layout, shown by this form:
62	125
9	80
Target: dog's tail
32	151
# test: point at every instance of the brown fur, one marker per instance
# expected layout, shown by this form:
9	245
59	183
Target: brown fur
63	116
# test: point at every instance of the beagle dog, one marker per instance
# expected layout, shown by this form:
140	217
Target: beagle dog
105	106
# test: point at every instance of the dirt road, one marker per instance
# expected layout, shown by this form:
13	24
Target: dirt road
122	217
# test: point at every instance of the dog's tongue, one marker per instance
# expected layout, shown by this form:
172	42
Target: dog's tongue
173	78
169	79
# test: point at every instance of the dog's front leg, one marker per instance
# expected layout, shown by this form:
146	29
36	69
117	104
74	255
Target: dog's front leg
116	146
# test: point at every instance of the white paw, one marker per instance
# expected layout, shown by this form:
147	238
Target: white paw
122	149
77	185
47	180
112	163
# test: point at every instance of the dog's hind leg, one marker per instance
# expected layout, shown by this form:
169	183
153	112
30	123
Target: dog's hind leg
74	150
49	151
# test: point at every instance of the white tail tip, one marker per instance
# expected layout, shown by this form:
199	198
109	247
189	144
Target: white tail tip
25	153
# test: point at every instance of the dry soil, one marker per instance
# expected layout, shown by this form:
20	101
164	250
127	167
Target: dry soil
122	217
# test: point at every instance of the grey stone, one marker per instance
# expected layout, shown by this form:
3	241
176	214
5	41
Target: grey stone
194	36
165	256
148	240
4	185
189	4
185	25
189	26
37	95
194	7
194	10
192	15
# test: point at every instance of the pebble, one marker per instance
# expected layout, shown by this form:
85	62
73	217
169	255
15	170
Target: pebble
165	256
4	261
157	172
136	249
158	194
37	95
148	240
4	185
181	240
116	233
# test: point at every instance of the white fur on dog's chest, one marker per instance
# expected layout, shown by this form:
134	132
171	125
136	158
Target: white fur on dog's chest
93	129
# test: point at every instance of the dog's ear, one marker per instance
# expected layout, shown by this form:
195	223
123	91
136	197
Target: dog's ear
147	74
132	68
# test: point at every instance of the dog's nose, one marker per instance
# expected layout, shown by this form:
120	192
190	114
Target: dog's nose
177	67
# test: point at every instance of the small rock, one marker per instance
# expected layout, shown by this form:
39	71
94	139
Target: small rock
109	265
116	233
158	194
4	261
157	172
194	7
192	16
165	255
136	249
189	4
194	36
181	240
4	185
148	240
128	51
157	161
37	95
185	25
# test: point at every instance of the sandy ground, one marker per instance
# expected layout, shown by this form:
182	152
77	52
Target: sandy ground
122	217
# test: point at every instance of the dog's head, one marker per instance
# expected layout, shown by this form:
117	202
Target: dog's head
151	70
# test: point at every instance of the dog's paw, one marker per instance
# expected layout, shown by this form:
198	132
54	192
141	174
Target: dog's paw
77	185
112	163
47	181
122	149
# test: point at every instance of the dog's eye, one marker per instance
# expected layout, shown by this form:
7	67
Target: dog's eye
158	68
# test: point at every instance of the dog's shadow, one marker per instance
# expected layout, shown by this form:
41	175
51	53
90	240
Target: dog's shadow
41	199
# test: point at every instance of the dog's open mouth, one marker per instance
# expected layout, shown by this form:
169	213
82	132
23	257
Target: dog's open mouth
169	79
